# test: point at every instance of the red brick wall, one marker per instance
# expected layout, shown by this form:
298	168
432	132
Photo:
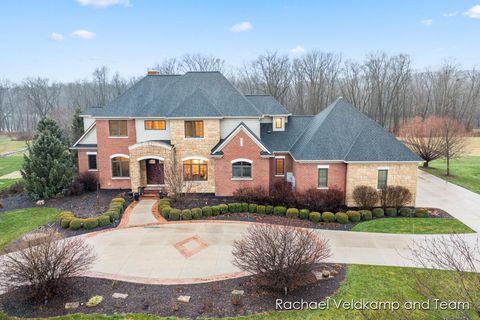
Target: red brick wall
108	146
224	185
306	175
288	168
83	161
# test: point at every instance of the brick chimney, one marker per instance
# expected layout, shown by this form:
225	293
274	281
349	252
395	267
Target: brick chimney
153	72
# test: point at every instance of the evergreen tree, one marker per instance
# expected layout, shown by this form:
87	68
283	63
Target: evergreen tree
48	167
77	125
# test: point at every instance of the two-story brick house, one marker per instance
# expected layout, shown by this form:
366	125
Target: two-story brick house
225	140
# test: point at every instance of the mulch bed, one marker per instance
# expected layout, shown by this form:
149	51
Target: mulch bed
207	299
199	200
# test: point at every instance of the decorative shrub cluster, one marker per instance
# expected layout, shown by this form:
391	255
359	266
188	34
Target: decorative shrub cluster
69	221
390	197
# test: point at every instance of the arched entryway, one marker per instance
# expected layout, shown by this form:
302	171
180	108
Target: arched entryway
154	170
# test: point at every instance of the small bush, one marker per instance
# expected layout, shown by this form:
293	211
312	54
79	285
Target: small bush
223	208
282	193
378	212
353	216
243	207
366	215
365	196
186	214
165	211
279	210
103	220
75	188
315	216
122	201
341	217
113	214
90	223
251	195
215	210
75	224
303	214
88	180
405	212
234	207
395	196
174	214
65	222
269	209
207	211
421	213
261	209
328	216
391	212
316	199
197	213
292	213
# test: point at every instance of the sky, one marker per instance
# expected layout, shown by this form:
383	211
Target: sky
65	40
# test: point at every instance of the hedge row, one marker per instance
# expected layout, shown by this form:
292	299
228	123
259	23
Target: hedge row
69	221
170	213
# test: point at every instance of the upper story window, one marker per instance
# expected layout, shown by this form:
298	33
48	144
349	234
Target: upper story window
120	167
195	170
278	123
118	128
155	124
279	166
241	169
193	129
382	178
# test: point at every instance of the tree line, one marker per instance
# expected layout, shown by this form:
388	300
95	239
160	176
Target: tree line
386	87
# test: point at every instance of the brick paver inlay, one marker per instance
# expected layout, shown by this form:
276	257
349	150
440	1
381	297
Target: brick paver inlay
190	246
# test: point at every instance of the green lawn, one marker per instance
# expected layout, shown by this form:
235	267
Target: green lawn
15	223
413	225
371	283
464	171
10	164
5	183
8	145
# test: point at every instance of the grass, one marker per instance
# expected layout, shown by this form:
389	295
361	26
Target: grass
5	183
9	145
15	223
10	164
464	171
414	226
372	283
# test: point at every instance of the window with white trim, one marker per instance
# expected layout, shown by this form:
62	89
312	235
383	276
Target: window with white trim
92	161
120	167
241	169
322	177
279	166
382	178
117	128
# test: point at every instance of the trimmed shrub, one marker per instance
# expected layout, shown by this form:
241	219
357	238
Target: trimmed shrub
252	208
65	222
328	216
174	214
103	220
196	213
251	194
90	223
279	210
405	212
118	199
378	212
353	216
75	224
269	209
421	213
365	196
391	212
318	200
366	215
243	207
234	207
395	196
186	214
303	214
165	211
292	213
315	216
223	208
261	209
215	210
66	214
207	211
341	217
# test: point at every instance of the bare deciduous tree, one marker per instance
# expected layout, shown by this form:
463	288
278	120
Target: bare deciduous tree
178	187
41	95
453	135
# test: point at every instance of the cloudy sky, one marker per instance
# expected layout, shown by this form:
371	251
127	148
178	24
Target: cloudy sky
65	40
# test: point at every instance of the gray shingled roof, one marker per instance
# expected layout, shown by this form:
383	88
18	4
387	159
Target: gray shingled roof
339	132
194	94
267	104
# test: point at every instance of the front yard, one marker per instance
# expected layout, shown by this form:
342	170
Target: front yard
8	165
413	226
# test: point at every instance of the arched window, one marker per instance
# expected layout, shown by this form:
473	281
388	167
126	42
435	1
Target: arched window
241	169
195	170
120	167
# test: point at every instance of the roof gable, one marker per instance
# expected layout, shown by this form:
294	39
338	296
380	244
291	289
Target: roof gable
217	150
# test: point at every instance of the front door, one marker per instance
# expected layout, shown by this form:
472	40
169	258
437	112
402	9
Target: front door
154	172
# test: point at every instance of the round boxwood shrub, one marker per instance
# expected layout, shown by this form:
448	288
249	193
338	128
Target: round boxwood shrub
165	211
341	217
65	214
76	224
103	220
223	208
366	214
207	211
421	213
315	216
243	207
215	210
65	222
118	199
328	216
303	213
90	223
174	214
252	208
269	209
378	212
279	210
234	207
261	209
405	212
353	215
117	206
186	214
292	213
391	212
196	213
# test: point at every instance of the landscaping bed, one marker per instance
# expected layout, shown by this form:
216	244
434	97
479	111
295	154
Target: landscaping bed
207	299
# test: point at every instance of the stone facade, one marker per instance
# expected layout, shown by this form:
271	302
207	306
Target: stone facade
402	174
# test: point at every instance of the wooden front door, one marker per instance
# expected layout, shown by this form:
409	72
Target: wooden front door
155	173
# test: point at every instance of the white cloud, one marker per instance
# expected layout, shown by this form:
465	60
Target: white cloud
450	14
427	22
473	12
104	3
298	50
56	37
82	34
241	27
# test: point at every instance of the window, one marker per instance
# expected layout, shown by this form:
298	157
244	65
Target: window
92	161
323	177
241	169
120	167
118	128
155	124
278	123
195	170
279	166
382	178
193	129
